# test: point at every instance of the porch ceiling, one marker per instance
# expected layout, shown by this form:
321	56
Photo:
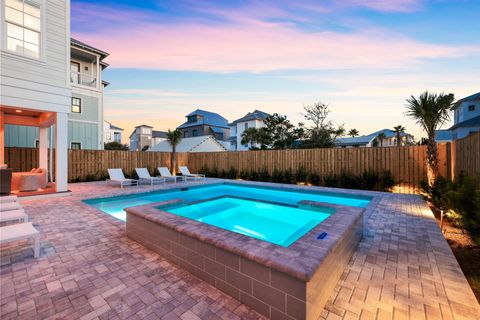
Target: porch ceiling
27	117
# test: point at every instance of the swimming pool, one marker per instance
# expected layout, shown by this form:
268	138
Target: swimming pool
278	224
115	206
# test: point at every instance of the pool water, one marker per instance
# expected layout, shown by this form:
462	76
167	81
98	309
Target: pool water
114	206
278	224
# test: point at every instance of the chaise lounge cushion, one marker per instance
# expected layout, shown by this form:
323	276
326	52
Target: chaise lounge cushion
20	181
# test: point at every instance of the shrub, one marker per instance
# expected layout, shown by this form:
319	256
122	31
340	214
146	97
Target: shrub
387	182
222	174
435	194
301	174
464	198
214	173
313	178
244	174
264	175
330	180
369	180
277	176
288	176
253	175
204	170
232	173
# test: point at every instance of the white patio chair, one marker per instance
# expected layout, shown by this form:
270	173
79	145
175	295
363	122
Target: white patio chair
143	174
117	176
21	231
13	215
186	173
165	173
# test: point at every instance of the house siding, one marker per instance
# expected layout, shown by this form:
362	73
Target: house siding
43	83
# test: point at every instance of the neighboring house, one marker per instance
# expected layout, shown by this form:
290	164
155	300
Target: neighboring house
158	136
144	136
255	119
85	121
35	88
205	123
466	119
443	136
111	133
193	144
371	140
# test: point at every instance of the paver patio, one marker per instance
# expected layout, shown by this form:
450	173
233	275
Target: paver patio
403	268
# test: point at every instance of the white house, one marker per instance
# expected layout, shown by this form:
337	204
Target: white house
373	140
466	117
255	119
144	136
35	88
192	144
112	133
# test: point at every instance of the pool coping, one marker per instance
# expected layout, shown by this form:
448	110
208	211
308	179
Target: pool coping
300	260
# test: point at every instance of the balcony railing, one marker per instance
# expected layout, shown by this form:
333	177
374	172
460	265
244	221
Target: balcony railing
83	79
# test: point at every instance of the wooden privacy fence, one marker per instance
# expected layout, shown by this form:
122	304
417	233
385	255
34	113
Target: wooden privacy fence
407	164
466	155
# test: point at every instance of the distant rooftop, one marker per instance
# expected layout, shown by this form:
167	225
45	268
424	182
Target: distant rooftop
255	115
473	122
443	135
365	139
473	97
207	118
159	134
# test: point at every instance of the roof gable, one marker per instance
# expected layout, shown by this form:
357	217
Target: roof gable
207	118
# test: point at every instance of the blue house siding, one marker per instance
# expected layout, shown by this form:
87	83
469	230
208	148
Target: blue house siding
85	133
20	136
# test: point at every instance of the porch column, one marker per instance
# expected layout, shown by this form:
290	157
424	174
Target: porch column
43	148
2	139
61	152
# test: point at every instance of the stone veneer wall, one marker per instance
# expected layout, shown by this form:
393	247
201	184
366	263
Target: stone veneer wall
270	292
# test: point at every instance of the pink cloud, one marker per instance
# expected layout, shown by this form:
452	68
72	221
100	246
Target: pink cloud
255	47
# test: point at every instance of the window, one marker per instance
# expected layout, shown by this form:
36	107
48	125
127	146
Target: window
471	107
23	26
37	143
75	145
246	125
194	133
191	118
76	105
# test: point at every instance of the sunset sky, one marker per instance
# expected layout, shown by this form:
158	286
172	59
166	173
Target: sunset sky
363	57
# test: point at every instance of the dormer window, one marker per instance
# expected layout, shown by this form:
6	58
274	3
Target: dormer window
191	118
23	26
471	107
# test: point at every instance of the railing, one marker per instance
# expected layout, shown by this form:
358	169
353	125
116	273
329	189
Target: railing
83	79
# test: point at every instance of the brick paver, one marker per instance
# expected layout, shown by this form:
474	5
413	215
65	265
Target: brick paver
89	269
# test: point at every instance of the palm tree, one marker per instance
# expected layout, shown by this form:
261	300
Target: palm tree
398	131
353	133
381	136
174	137
430	111
250	137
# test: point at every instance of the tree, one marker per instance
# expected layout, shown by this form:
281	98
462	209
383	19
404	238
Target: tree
279	132
353	133
323	133
398	132
252	137
114	145
174	137
430	111
381	136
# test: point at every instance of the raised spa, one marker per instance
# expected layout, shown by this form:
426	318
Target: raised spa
278	250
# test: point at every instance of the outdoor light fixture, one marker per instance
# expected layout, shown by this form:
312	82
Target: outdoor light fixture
18	111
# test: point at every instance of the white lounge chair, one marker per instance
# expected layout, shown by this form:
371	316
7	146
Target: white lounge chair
165	173
117	176
13	215
143	174
186	173
21	231
7	206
